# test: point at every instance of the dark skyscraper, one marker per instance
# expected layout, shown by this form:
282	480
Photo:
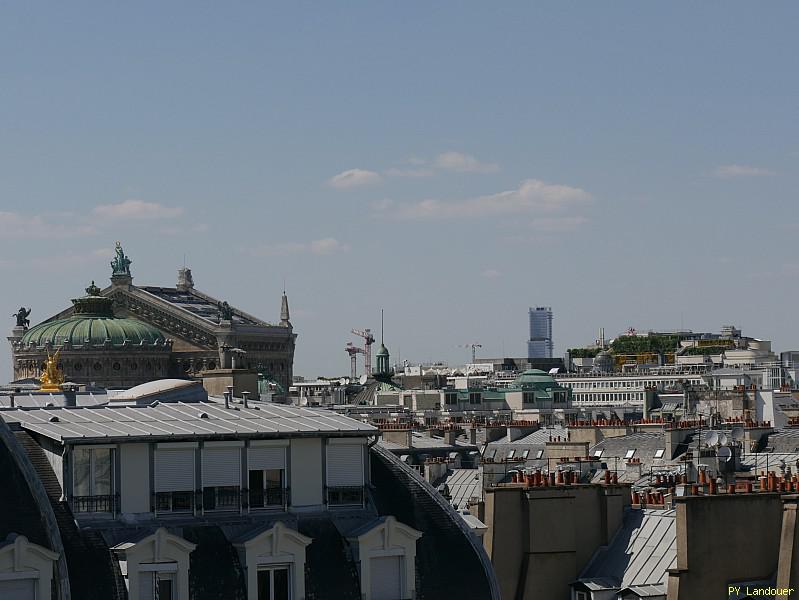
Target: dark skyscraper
540	343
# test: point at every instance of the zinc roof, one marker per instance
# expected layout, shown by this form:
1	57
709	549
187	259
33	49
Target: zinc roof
640	553
464	484
179	420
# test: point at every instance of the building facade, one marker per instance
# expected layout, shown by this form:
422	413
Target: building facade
126	334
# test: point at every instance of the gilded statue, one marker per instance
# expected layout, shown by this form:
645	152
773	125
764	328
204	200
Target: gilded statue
52	377
121	263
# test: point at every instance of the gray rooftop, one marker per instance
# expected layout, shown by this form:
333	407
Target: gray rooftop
42	399
639	554
463	485
182	421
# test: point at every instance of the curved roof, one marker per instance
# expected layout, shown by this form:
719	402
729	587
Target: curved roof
184	390
382	351
93	330
533	376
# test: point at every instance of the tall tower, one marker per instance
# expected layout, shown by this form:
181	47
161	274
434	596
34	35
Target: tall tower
540	343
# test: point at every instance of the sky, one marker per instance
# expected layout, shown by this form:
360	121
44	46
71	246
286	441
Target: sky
628	164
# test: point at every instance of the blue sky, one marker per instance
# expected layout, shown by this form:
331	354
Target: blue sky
626	163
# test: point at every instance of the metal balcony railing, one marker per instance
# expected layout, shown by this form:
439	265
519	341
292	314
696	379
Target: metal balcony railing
273	497
104	503
345	495
174	502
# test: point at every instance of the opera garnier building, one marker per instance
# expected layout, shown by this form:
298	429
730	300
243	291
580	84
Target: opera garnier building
124	335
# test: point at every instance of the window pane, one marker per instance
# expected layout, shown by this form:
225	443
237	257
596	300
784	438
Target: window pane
81	471
102	471
264	585
274	477
256	483
281	581
164	587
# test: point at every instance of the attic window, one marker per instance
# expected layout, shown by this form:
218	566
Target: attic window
630	453
525	453
539	454
511	454
598	453
659	452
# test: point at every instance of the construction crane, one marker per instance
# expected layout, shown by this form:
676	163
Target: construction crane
368	340
353	351
473	346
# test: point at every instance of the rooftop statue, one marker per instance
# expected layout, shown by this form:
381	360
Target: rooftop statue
225	311
22	317
52	377
121	263
93	290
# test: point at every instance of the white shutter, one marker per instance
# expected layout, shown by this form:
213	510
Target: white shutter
344	465
385	577
221	466
174	470
17	589
263	459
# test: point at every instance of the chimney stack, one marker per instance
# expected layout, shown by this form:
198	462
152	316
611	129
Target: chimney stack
244	395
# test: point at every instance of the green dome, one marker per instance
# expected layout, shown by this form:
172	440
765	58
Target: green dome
93	330
382	351
93	323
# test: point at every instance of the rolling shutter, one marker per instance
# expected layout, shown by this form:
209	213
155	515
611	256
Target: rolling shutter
264	459
221	467
385	578
174	470
344	465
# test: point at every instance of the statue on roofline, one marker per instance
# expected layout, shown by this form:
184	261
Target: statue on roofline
52	377
225	311
121	263
22	317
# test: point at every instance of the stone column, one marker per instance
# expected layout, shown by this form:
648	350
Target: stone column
15	337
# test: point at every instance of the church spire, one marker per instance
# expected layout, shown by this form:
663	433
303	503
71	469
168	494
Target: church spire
284	311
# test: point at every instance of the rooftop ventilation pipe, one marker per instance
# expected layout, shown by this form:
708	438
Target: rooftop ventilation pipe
244	395
227	399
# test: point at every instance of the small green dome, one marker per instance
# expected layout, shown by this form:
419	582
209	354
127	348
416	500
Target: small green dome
382	351
93	323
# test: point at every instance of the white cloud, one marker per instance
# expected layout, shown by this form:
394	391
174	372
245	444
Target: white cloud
18	226
321	247
463	163
136	210
327	246
727	171
491	274
455	162
354	178
531	197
